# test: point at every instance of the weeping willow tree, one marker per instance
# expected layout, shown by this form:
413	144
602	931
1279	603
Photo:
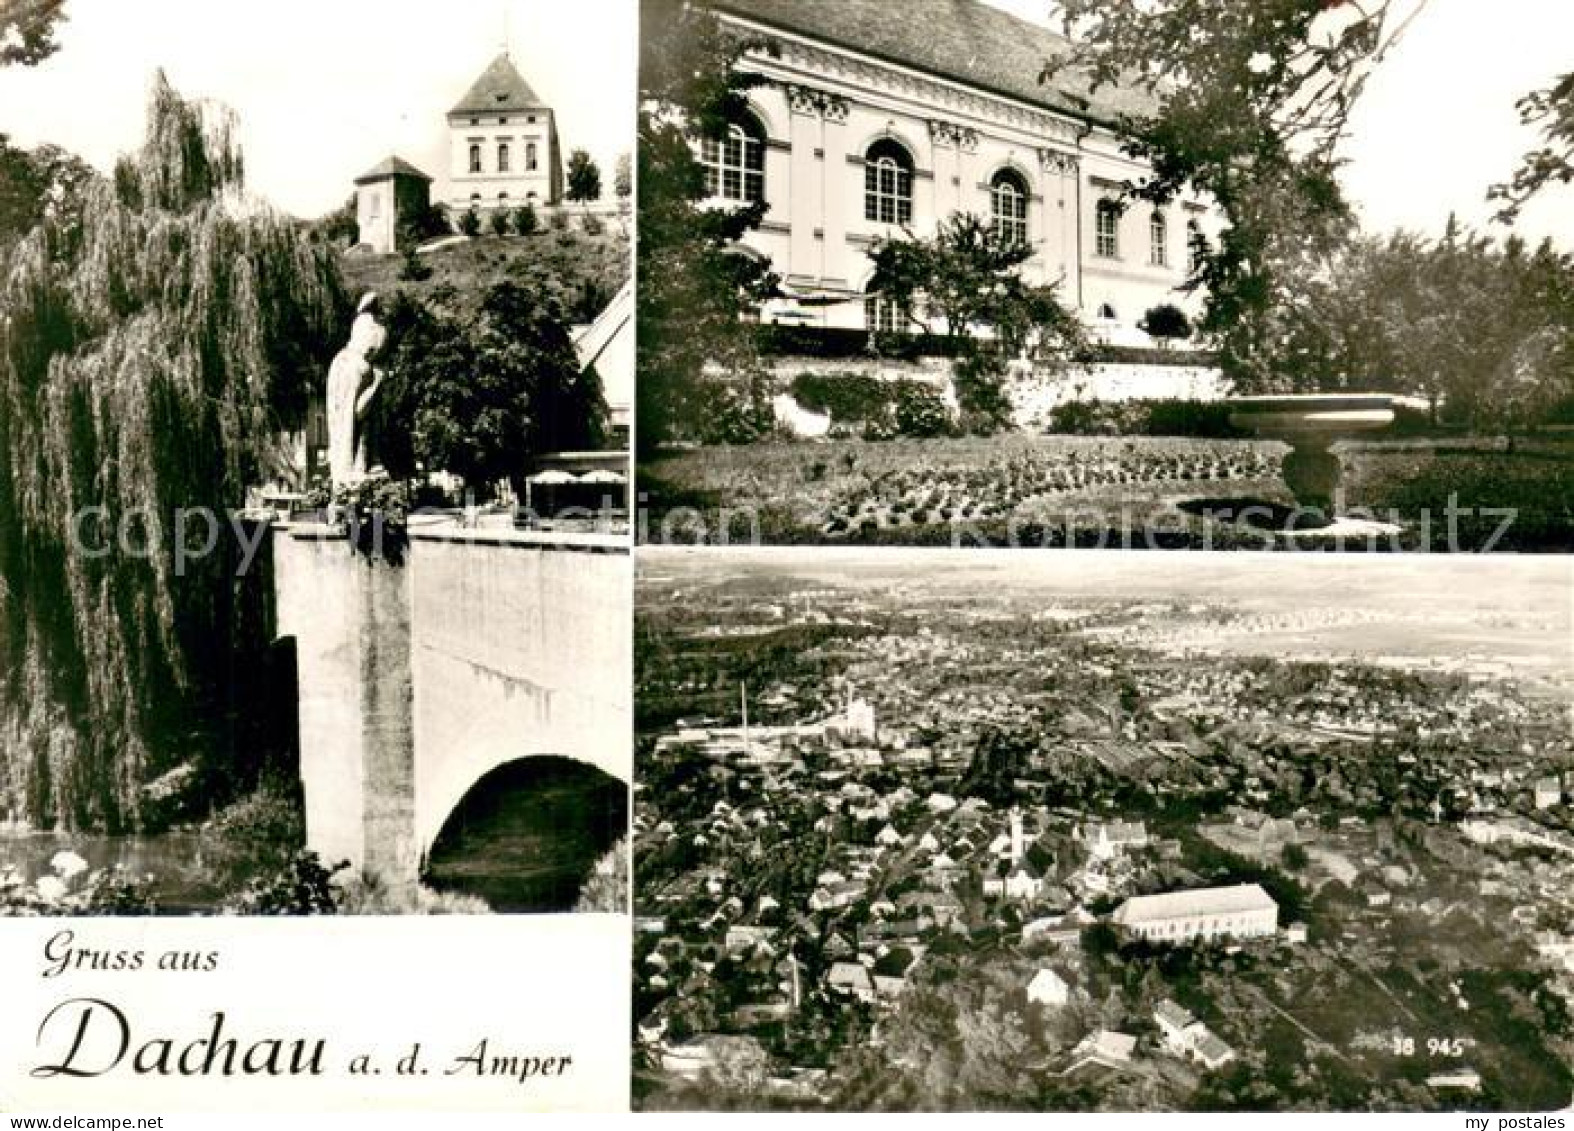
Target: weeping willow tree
149	353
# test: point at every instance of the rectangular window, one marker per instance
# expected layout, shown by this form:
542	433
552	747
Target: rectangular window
1107	242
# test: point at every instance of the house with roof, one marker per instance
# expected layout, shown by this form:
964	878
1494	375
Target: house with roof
1106	840
1048	988
1547	792
1238	911
851	978
503	144
390	192
1186	1036
1105	1047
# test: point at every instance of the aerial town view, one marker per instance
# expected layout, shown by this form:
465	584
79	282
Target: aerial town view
1081	831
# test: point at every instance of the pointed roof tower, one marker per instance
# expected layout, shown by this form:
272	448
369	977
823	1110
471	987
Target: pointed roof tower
500	88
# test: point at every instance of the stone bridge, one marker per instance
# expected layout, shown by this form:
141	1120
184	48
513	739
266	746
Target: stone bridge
416	679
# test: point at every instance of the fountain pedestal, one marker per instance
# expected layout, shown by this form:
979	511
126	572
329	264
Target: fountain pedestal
1310	424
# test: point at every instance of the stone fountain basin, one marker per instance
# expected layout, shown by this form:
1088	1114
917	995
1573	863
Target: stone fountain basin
1313	414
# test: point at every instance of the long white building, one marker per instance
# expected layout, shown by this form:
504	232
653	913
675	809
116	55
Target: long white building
878	117
1240	911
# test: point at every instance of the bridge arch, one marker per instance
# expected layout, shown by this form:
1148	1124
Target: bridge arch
527	836
418	680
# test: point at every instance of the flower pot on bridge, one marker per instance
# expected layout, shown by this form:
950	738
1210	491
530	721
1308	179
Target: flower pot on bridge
1311	423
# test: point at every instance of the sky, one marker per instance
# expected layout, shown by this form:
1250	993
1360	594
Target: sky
1436	125
324	89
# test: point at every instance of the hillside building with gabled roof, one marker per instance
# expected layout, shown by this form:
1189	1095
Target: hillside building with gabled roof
503	143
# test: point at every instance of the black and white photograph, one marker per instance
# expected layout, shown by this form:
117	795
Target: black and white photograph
1100	273
1082	831
316	358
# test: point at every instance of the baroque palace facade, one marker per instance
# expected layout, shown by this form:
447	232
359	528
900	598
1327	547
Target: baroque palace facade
878	117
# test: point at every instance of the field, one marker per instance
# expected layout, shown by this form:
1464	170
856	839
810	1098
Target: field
1140	492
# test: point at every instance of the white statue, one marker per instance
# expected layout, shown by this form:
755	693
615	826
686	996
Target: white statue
352	384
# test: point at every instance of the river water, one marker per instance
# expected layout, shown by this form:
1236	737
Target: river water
524	840
183	872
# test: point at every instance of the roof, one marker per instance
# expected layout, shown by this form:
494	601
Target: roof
1109	1043
1210	1048
1173	1014
1047	978
849	974
500	87
390	166
962	40
1121	831
1198	901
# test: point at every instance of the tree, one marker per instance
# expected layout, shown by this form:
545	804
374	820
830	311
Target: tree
623	178
1484	332
526	222
470	222
973	283
1166	322
39	184
27	30
423	224
696	282
1248	106
145	366
584	178
479	395
340	227
1552	110
498	221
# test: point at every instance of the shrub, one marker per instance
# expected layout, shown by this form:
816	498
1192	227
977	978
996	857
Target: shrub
1168	417
846	397
606	888
921	412
1166	322
592	225
982	403
737	416
499	221
470	222
560	221
413	270
302	887
526	222
423	224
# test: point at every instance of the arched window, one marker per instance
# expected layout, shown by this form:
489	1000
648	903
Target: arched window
502	156
883	315
502	198
1008	199
888	183
1106	311
1158	240
1193	237
735	164
530	157
475	158
1107	229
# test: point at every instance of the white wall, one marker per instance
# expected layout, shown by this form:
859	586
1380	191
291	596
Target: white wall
519	129
824	108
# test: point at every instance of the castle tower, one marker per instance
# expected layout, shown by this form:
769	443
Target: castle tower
503	144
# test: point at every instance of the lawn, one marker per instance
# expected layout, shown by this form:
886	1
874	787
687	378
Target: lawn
1141	492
